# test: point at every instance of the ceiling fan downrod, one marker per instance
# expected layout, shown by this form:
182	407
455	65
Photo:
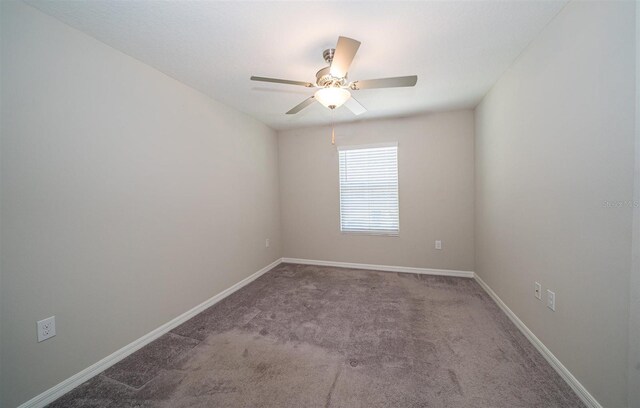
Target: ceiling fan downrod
328	55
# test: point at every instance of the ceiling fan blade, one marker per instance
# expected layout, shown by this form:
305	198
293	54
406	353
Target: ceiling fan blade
282	81
302	105
345	51
355	106
385	82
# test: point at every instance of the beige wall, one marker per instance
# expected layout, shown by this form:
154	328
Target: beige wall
634	310
554	141
127	199
435	164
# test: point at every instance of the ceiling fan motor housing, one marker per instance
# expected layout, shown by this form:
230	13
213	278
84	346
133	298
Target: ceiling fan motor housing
323	77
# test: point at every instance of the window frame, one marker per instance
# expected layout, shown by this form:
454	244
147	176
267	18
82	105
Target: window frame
361	147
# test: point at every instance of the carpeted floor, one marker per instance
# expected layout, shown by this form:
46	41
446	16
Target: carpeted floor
308	336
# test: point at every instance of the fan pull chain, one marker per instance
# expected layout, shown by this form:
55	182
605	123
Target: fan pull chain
333	130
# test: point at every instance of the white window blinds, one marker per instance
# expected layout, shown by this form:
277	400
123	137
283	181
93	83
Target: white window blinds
369	189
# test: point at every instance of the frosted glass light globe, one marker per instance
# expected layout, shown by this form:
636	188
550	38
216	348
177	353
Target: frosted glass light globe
332	97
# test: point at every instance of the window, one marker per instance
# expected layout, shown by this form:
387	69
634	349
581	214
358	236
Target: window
369	189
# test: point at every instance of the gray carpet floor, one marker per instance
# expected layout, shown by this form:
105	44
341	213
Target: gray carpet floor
309	336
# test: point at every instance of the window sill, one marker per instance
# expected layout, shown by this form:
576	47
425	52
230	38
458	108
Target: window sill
374	233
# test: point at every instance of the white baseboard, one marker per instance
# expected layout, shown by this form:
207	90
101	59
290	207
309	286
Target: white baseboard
384	268
573	382
67	385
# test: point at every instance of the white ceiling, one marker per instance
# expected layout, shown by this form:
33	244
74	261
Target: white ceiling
457	49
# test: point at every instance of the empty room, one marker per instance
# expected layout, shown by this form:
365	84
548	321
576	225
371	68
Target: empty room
319	204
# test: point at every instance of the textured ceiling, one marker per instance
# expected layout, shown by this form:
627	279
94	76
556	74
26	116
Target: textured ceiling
457	49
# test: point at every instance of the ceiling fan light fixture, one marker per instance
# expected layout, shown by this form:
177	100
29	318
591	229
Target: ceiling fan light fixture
333	83
332	97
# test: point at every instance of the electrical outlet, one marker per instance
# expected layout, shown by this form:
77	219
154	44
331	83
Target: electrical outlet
46	328
551	300
538	291
266	243
438	244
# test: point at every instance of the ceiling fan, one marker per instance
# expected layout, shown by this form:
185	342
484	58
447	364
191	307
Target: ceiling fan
333	83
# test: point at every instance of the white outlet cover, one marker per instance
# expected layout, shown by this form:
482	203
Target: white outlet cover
538	291
551	300
267	243
46	328
438	244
